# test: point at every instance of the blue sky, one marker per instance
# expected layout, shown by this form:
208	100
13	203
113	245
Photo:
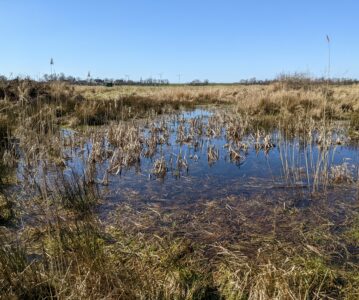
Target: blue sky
222	41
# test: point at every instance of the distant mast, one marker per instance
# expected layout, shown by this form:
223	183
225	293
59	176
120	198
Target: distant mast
51	67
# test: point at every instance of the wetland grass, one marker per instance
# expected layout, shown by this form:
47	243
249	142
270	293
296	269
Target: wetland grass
277	243
7	212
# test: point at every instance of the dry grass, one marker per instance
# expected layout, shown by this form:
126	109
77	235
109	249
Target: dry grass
279	245
77	105
266	103
233	248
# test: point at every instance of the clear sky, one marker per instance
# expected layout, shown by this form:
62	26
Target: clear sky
222	41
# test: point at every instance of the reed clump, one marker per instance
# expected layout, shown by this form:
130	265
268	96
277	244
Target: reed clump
268	107
83	259
77	195
342	173
4	129
7	212
19	277
160	168
354	123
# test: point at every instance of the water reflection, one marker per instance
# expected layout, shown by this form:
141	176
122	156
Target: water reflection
185	142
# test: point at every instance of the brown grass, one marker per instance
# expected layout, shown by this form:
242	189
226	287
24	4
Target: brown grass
265	246
77	105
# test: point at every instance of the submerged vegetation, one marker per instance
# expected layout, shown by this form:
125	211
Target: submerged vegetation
252	196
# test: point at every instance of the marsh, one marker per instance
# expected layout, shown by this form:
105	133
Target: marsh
224	192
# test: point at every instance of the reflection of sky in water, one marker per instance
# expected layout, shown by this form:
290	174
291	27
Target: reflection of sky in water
258	170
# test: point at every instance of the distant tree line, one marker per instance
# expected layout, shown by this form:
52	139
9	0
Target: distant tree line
299	79
293	80
199	82
104	82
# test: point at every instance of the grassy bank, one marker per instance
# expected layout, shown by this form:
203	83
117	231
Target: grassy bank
257	249
76	105
278	99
